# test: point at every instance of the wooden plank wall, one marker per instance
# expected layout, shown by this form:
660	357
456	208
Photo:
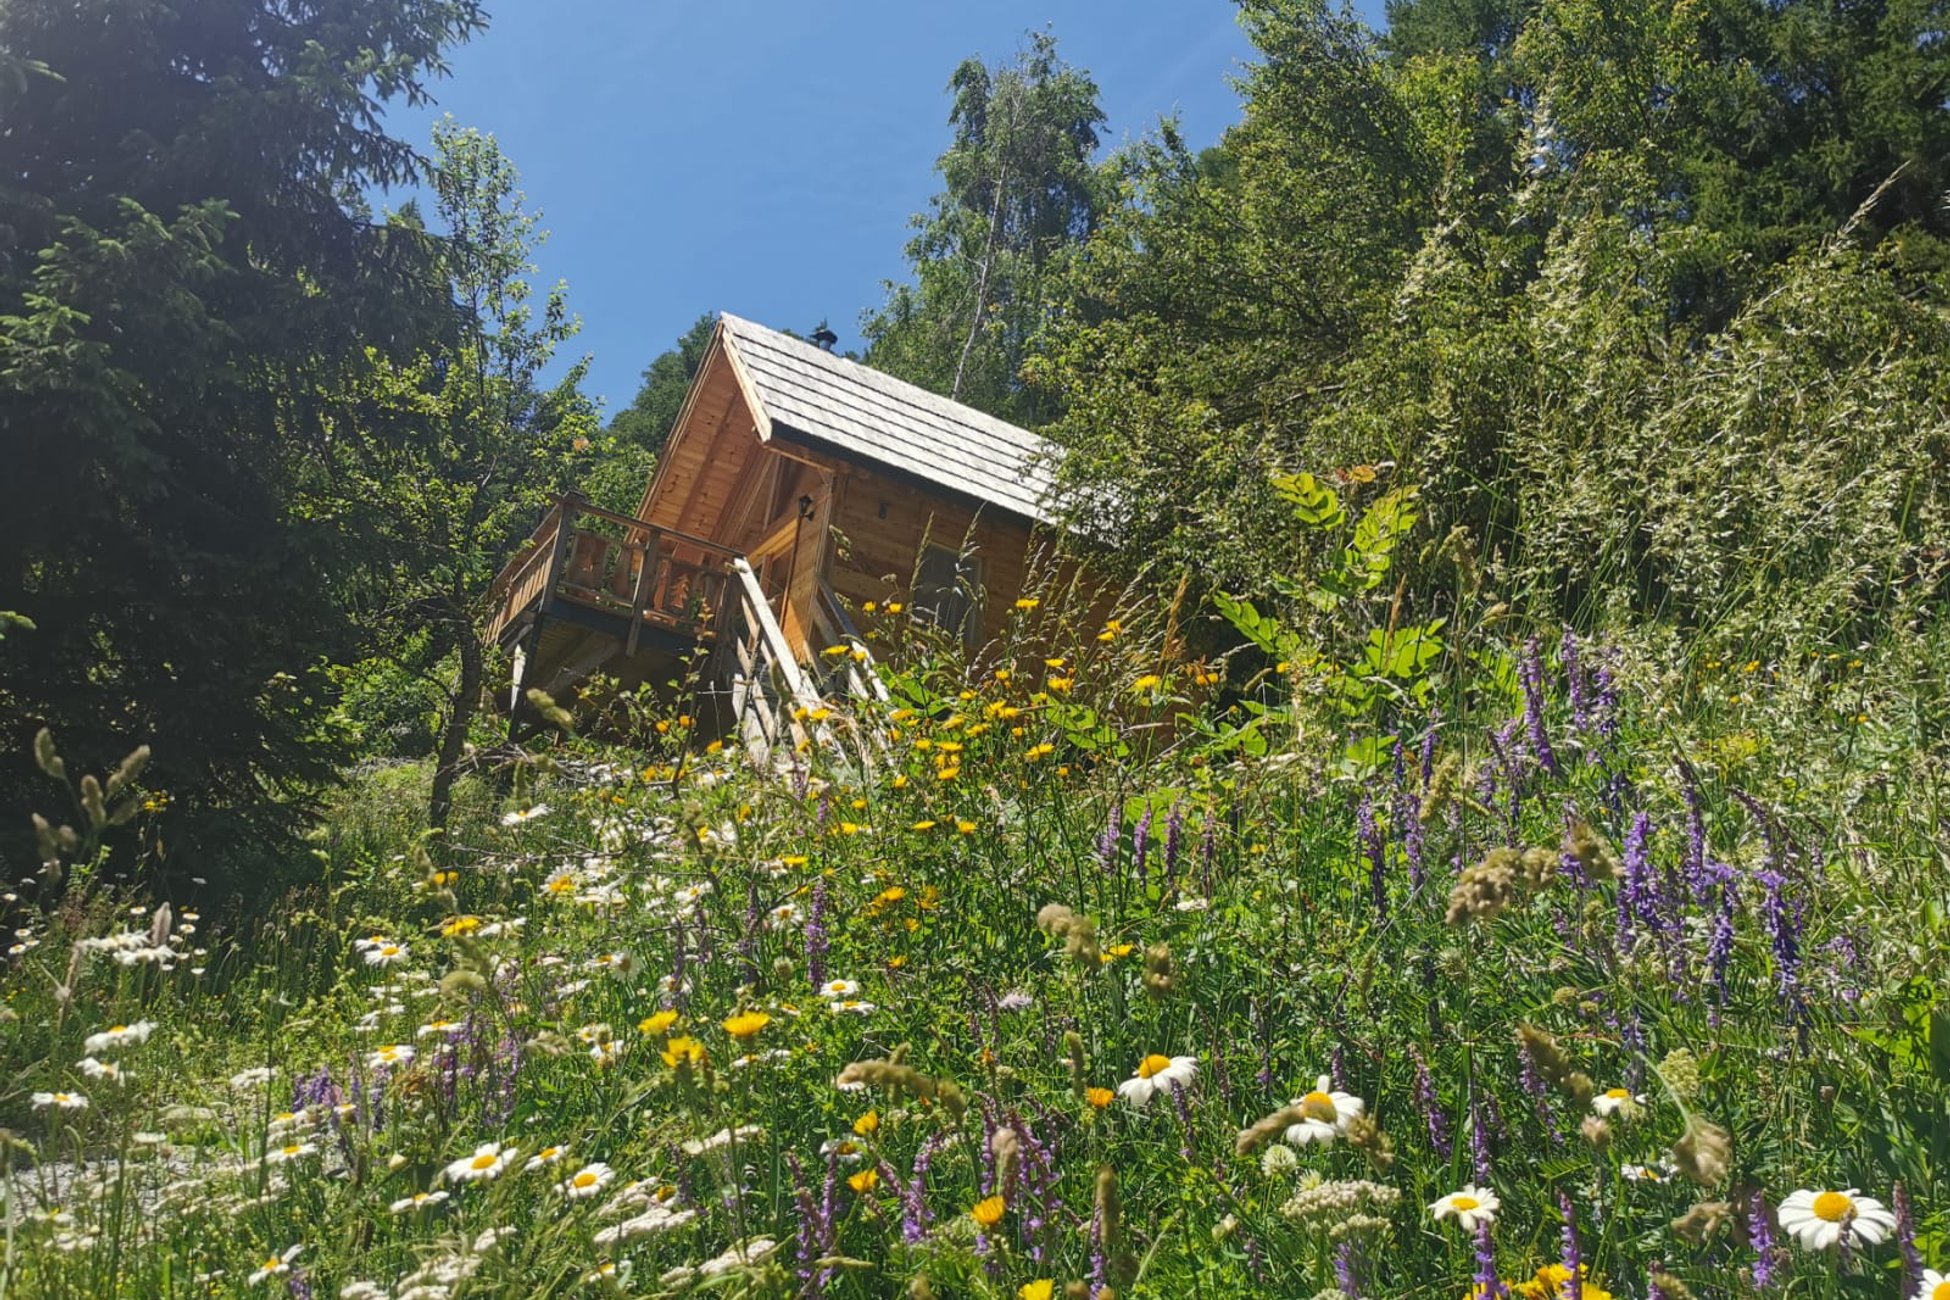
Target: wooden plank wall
886	521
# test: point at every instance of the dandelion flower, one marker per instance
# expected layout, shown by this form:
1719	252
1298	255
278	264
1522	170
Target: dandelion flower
988	1212
1155	1074
746	1024
657	1022
1041	1289
487	1163
1819	1219
1099	1097
1469	1207
587	1181
118	1036
276	1266
1619	1102
864	1181
681	1051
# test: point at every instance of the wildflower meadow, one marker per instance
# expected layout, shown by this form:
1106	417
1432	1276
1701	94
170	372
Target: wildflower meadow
1032	981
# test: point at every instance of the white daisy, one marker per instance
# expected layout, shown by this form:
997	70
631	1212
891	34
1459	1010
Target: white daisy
1818	1219
851	1006
545	1157
1936	1286
118	1036
587	1181
838	989
487	1162
106	1070
783	915
1469	1207
1618	1101
390	1055
520	815
1155	1074
1659	1171
386	954
59	1101
290	1151
1325	1114
276	1266
417	1201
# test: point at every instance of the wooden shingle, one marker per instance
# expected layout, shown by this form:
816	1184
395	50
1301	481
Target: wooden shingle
858	411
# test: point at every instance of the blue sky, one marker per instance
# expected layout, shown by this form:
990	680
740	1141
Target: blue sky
765	157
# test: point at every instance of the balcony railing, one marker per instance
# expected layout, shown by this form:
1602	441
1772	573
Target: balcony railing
616	564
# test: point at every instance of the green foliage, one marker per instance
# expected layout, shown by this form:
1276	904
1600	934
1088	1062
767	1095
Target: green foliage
1635	300
184	282
1021	194
462	446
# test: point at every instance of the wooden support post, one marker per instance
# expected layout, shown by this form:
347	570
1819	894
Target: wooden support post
646	579
566	511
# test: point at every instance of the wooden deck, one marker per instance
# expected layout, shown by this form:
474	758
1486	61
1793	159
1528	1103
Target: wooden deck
592	589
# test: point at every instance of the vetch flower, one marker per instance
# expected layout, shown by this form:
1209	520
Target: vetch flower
1818	1220
1468	1207
488	1162
1325	1114
1155	1074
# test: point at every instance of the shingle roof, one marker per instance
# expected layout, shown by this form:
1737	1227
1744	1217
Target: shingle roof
879	418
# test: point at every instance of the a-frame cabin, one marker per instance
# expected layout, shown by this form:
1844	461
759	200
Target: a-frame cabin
780	446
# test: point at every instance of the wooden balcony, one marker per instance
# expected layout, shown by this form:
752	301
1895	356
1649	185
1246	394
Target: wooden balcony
614	575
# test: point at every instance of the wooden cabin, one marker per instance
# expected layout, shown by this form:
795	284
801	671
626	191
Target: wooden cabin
780	448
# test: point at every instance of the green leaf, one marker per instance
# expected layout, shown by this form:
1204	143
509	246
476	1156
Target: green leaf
1314	503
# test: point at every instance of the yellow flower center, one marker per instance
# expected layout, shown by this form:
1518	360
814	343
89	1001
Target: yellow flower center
1153	1064
585	1179
1833	1206
481	1162
1318	1105
1941	1291
274	1263
1617	1094
118	1029
293	1150
1465	1203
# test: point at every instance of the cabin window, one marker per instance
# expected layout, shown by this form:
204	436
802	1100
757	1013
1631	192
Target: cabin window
948	590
